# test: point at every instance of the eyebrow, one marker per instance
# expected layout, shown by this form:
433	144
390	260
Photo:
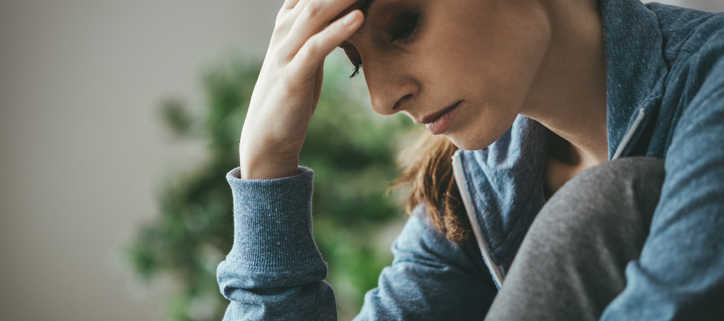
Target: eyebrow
365	8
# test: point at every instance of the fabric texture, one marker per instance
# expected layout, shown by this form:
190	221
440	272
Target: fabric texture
571	263
663	62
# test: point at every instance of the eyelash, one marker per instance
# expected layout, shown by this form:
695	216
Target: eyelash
402	33
355	72
354	58
407	27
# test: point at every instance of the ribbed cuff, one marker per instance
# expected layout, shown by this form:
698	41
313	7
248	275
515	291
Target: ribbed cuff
273	229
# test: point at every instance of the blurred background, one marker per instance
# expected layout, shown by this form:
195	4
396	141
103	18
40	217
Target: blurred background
107	110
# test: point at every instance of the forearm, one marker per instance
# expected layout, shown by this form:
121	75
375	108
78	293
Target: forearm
274	268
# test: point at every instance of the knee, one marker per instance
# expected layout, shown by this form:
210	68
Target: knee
642	173
628	182
610	200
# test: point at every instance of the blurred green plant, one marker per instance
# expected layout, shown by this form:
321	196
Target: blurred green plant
352	151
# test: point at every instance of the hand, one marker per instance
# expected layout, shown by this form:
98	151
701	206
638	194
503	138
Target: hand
287	90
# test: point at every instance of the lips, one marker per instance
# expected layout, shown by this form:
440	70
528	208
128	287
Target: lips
438	122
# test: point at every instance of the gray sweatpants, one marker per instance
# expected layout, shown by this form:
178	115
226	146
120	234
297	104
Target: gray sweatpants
571	263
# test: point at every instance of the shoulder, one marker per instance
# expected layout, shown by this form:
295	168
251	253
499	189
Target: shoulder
692	38
694	53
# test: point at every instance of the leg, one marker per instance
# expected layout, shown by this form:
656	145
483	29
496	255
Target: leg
571	263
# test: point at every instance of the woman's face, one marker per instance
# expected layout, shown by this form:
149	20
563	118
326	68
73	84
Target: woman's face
463	67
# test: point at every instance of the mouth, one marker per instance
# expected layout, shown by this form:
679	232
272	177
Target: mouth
438	122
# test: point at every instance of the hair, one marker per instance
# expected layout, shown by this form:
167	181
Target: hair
427	169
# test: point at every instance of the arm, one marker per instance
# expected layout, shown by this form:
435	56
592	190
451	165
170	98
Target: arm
680	274
274	269
430	278
275	272
287	90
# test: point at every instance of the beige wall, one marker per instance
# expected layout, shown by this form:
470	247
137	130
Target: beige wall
81	150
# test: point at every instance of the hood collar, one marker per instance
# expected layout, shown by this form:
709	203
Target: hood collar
506	178
635	66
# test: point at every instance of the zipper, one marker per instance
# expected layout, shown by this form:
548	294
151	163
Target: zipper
629	134
495	270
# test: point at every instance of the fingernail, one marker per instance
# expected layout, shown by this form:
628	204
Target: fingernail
349	18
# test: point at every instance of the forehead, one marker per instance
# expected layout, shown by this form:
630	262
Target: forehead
363	5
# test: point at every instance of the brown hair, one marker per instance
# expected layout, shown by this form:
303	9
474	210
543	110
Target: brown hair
427	169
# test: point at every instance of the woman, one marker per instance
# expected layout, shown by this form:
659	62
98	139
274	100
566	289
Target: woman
534	93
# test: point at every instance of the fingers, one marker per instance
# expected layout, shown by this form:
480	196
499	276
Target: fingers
288	4
314	50
312	17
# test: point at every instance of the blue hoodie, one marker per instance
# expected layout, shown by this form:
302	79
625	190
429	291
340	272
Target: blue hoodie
665	99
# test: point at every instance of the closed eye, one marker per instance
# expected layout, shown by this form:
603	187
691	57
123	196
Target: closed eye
405	28
353	56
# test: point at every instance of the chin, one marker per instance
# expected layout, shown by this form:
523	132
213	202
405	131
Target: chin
487	125
470	144
476	140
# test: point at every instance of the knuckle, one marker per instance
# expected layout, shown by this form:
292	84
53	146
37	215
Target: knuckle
332	31
279	28
312	10
274	41
289	4
282	23
311	48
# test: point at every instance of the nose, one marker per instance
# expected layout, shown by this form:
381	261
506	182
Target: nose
392	89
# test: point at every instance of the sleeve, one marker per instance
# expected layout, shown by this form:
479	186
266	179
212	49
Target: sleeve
680	273
430	278
274	270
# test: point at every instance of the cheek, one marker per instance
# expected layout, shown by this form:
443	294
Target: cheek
492	62
501	53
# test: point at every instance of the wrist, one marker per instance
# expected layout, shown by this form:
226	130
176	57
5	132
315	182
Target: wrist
269	167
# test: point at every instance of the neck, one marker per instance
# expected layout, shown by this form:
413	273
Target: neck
569	94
